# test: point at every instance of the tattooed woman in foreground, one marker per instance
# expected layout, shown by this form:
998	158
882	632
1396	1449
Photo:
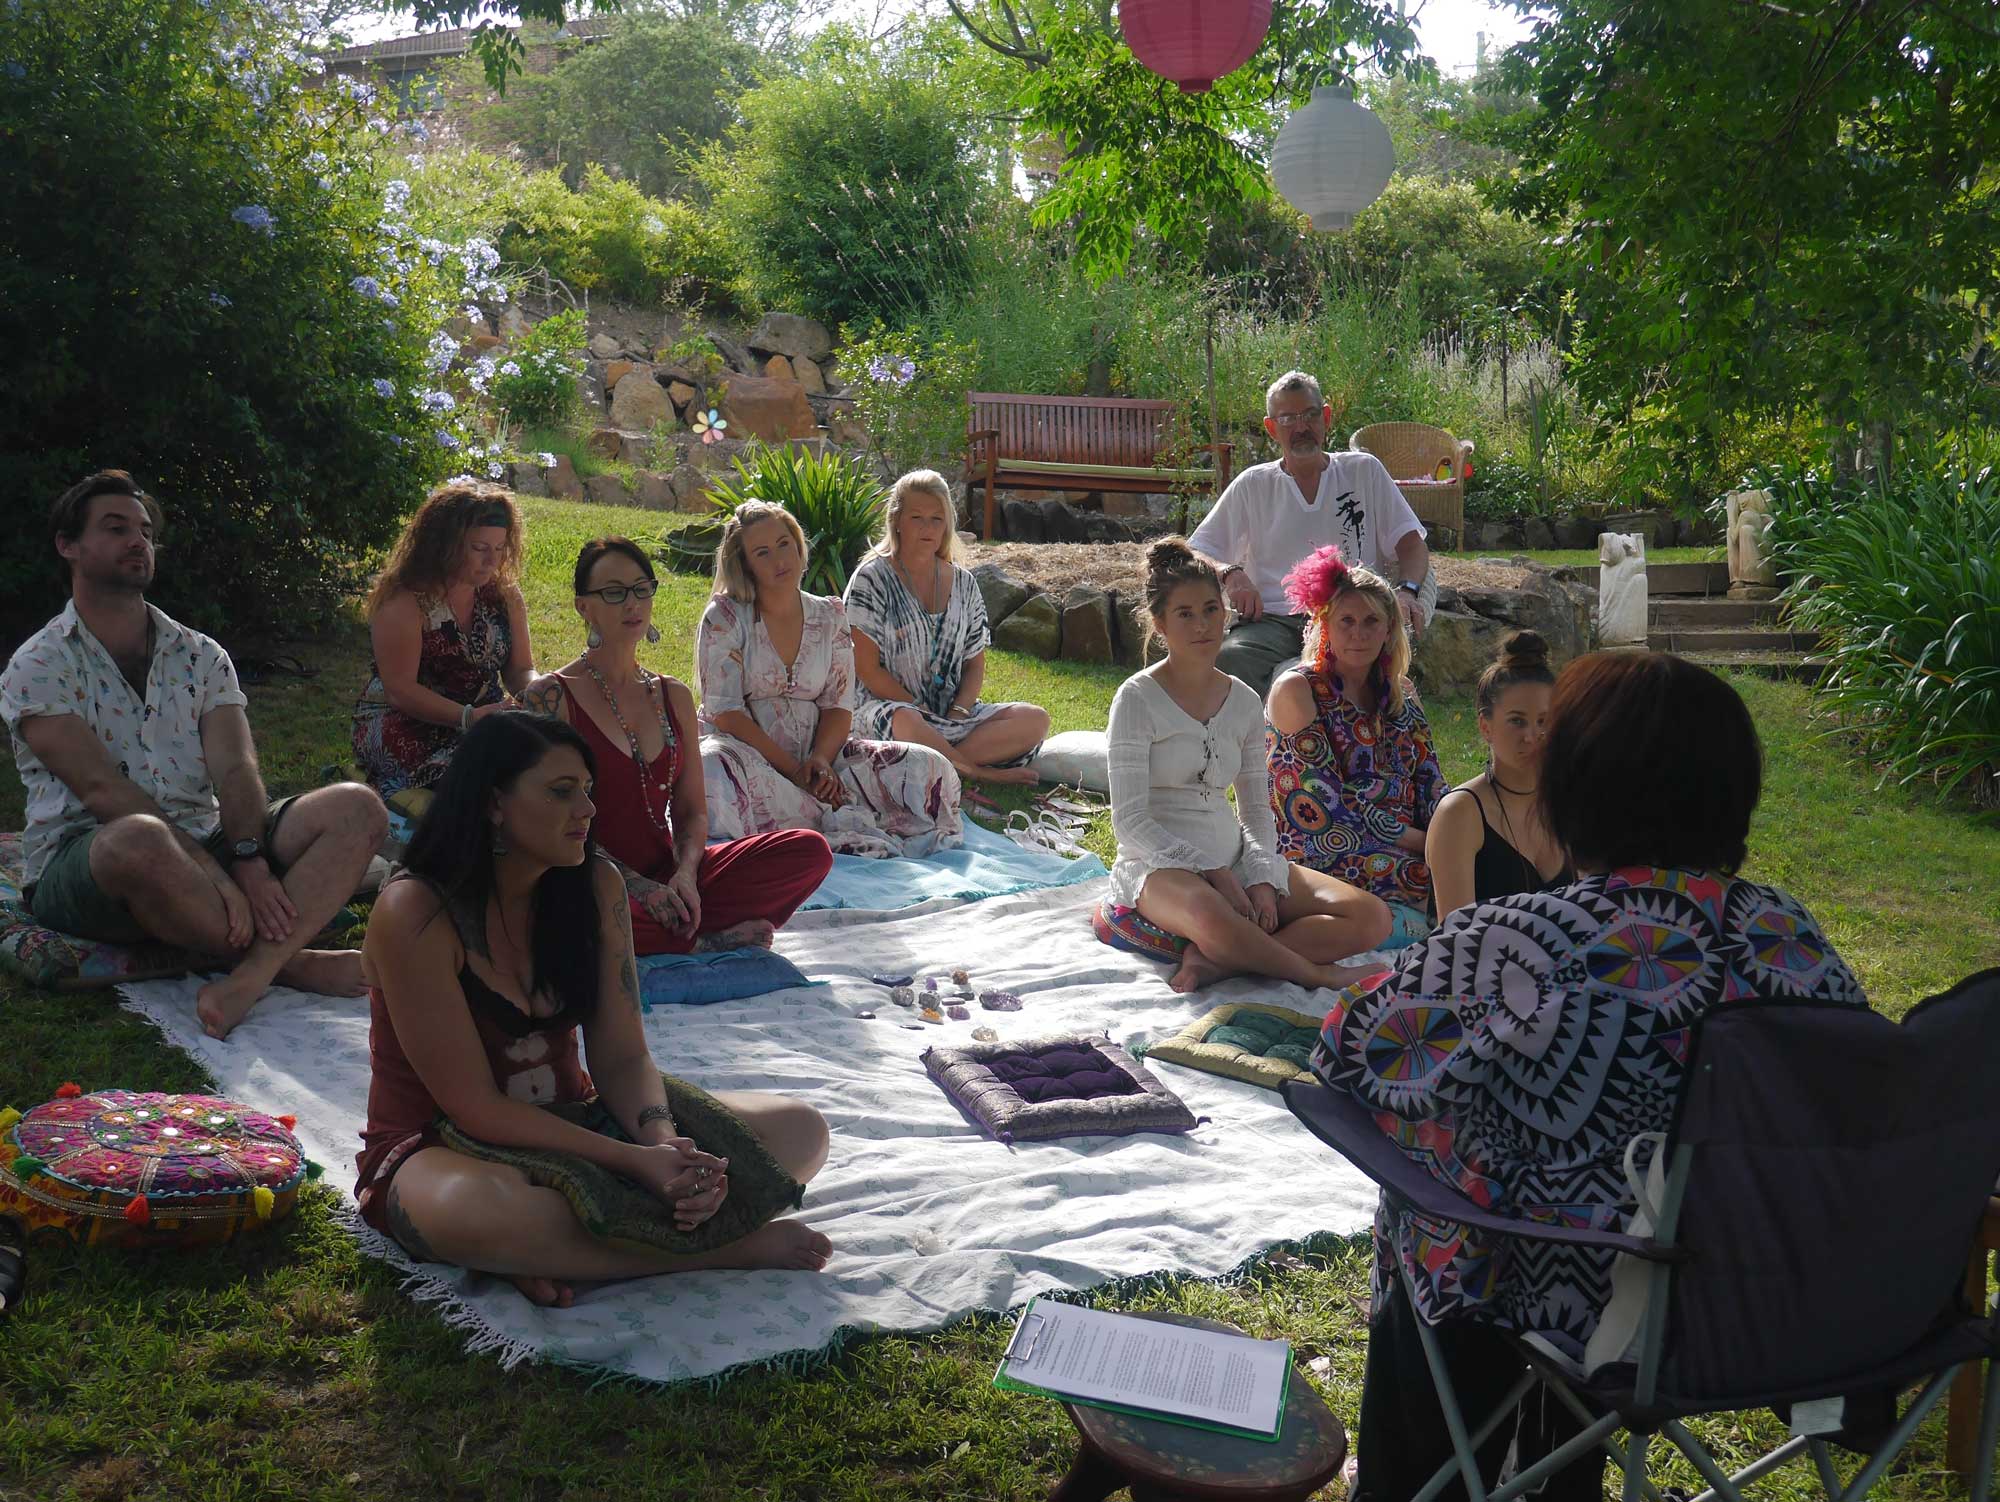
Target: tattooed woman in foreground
503	936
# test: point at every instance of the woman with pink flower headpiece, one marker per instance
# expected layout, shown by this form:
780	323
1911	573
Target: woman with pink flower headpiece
1354	777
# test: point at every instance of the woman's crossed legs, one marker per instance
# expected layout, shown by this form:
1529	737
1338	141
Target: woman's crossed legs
446	1207
1321	920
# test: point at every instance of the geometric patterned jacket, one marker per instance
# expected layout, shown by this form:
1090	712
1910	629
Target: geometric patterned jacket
1519	1048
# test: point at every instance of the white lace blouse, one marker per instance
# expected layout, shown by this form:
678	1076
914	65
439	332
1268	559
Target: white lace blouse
1169	776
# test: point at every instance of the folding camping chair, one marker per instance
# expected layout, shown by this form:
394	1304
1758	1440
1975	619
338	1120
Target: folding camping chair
1825	1176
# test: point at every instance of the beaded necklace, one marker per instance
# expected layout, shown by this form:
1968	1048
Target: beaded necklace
646	680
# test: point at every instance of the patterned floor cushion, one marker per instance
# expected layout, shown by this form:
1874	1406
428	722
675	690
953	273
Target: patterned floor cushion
611	1206
1123	928
1245	1040
122	1168
1055	1087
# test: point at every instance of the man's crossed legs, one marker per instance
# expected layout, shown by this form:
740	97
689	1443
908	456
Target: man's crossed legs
320	841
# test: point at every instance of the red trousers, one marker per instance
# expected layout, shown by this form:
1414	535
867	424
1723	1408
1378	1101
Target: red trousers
765	876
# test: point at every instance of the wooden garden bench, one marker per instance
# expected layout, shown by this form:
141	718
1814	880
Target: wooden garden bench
1075	443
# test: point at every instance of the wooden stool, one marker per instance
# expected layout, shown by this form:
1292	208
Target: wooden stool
1165	1462
1961	1443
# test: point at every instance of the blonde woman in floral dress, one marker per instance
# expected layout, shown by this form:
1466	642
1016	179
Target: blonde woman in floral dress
775	668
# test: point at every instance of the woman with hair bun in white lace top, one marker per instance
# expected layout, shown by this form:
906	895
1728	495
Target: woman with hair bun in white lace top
1182	734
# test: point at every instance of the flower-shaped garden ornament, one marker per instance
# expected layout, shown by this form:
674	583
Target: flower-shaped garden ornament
709	425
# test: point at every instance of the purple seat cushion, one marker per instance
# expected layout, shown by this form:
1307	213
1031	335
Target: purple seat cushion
1055	1087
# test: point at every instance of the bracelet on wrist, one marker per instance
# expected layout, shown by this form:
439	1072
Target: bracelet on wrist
464	718
652	1114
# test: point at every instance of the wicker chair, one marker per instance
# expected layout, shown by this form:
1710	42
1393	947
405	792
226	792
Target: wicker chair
1412	452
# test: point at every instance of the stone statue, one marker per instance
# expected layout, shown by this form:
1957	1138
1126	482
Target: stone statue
1750	572
1621	589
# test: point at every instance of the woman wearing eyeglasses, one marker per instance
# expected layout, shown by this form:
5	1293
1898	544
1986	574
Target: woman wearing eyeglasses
450	635
652	809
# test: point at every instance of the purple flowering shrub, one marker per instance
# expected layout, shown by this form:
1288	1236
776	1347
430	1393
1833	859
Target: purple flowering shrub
207	282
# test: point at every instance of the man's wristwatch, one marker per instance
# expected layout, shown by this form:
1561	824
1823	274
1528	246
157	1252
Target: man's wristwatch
245	850
1415	589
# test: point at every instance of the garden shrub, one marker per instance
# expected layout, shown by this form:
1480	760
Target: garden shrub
203	280
849	189
1441	249
1901	578
639	100
609	236
836	500
537	384
909	392
1501	490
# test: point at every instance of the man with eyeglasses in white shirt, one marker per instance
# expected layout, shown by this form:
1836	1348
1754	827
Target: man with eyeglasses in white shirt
1272	515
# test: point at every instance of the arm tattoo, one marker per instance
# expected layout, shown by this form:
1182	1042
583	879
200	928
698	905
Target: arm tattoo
544	697
628	978
405	1231
635	884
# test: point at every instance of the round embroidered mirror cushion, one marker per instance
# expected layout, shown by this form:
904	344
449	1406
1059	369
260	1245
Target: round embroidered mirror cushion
124	1166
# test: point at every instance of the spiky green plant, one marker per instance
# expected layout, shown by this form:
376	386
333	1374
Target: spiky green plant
1903	580
836	499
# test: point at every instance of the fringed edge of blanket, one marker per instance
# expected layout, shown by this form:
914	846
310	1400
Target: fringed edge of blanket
460	1314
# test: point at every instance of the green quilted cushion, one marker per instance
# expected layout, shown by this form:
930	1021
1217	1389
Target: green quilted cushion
618	1210
1246	1040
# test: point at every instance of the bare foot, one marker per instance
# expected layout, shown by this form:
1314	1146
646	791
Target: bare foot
545	1293
325	972
221	1004
1002	774
754	933
1197	970
783	1244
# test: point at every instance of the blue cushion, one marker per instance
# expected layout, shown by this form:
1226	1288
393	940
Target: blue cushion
696	980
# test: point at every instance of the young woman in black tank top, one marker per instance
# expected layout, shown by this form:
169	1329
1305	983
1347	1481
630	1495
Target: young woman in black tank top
1486	841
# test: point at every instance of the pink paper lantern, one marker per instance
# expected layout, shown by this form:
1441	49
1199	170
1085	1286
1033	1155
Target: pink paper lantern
1194	42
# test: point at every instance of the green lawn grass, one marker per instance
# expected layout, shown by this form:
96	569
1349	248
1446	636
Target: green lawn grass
291	1366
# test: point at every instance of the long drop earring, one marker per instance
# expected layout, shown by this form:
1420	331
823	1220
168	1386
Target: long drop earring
499	841
652	632
593	638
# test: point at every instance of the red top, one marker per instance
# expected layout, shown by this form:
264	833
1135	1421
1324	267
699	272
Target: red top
534	1059
628	802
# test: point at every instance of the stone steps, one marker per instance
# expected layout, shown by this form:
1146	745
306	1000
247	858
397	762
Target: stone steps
1703	579
1686	642
1678	612
1788	664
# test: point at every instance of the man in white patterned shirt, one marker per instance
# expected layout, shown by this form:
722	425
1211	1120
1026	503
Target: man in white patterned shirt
1273	515
147	816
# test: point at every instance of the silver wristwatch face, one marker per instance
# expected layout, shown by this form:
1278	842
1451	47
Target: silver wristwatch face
244	849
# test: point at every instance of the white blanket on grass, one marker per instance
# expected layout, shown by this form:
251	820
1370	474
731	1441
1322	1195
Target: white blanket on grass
930	1220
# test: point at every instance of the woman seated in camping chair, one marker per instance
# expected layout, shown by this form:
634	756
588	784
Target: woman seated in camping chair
1528	1040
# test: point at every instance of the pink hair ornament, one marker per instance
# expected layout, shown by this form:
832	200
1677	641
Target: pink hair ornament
1315	579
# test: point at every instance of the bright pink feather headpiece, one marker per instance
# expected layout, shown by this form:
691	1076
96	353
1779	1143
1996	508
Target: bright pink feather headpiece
1317	578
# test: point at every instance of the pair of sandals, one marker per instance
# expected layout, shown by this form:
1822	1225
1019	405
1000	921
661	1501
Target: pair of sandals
13	1262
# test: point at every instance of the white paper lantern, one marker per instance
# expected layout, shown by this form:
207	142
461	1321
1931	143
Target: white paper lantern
1332	159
